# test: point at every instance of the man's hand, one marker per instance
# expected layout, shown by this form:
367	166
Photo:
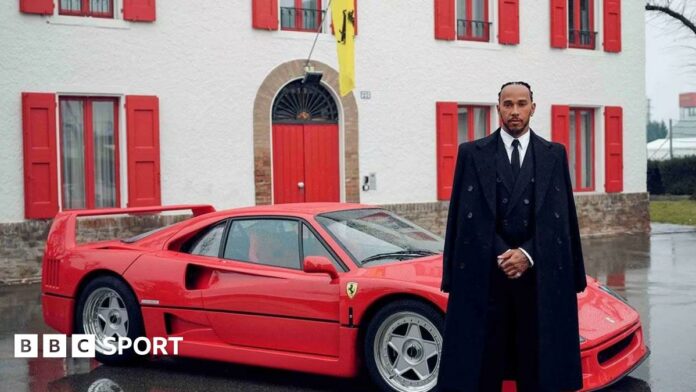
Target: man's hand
513	262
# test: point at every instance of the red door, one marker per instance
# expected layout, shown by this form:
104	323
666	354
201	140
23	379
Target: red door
305	163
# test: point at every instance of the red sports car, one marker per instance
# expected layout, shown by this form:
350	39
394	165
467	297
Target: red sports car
319	287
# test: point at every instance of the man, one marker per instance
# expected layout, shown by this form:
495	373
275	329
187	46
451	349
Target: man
512	261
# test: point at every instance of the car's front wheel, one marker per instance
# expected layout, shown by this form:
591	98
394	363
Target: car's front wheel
109	310
403	343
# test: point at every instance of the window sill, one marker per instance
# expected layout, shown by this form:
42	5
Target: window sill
585	51
589	48
85	21
473	39
305	35
587	192
485	45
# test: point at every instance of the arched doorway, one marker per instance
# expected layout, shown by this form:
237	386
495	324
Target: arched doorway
305	143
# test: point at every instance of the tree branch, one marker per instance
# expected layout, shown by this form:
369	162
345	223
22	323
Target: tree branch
674	14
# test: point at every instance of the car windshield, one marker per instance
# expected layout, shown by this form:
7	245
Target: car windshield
374	235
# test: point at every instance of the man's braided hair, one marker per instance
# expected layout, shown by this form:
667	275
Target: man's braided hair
525	84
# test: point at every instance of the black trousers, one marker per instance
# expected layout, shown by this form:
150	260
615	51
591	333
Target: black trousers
511	333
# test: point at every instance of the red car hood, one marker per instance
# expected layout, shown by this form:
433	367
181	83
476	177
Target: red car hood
426	271
601	315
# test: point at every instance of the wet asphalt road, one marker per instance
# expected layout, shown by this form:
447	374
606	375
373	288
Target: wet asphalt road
657	274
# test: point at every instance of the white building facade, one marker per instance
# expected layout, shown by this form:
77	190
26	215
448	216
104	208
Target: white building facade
116	103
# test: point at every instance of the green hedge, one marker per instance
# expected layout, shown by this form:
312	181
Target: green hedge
675	176
655	186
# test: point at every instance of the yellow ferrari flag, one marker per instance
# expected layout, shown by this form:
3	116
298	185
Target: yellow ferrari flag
343	17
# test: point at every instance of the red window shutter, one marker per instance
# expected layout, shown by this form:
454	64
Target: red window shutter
560	125
40	155
612	25
264	14
509	26
447	146
613	158
559	23
42	7
139	10
444	19
142	134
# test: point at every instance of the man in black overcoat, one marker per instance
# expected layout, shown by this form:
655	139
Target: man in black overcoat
512	262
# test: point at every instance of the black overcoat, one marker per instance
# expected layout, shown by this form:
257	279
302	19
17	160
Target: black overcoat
470	252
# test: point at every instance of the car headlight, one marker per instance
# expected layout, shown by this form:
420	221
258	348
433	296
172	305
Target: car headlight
613	293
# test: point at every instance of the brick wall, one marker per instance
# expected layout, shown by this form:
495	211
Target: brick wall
23	243
601	214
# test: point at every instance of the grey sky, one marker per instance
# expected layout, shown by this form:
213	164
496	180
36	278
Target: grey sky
670	67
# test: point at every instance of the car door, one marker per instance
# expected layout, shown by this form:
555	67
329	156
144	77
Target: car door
257	295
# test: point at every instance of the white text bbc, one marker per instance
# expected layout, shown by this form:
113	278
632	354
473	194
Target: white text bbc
83	346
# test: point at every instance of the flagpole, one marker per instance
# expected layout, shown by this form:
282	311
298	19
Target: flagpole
316	36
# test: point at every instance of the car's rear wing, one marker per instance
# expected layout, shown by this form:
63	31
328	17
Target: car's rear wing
62	235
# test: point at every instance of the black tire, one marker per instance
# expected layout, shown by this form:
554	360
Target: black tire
135	327
385	319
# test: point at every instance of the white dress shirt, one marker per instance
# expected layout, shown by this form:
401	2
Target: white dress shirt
507	141
524	143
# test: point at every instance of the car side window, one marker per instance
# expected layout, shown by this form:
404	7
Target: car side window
311	246
208	243
272	242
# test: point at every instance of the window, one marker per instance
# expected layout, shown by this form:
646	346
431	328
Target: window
581	32
208	244
272	242
312	246
72	149
473	122
95	8
89	153
573	24
472	20
296	15
581	148
300	15
378	234
454	124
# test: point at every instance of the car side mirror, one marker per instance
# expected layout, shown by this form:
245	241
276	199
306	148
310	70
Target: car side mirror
320	264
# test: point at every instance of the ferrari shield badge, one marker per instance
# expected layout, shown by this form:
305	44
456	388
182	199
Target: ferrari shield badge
352	289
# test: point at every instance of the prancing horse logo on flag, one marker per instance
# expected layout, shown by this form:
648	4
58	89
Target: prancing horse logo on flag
348	17
351	289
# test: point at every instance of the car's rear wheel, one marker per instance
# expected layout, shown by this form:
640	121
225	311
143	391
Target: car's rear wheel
402	346
107	308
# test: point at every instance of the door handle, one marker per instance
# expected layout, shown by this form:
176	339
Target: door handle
300	185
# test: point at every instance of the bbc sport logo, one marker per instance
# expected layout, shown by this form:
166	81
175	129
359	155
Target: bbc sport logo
83	345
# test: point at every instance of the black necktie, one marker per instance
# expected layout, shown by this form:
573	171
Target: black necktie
515	161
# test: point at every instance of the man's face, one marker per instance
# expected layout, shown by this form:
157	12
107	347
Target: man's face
515	109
